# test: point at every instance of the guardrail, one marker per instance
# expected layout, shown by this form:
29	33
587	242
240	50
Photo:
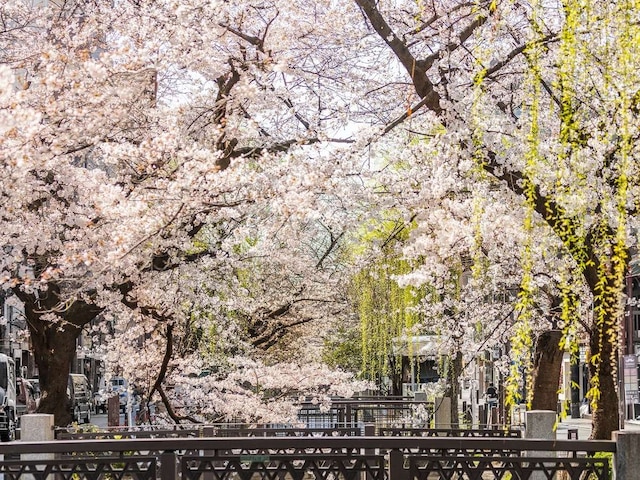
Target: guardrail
450	432
381	412
150	431
296	457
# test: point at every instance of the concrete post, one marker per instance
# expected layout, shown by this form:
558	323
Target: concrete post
420	396
626	462
36	427
442	413
540	424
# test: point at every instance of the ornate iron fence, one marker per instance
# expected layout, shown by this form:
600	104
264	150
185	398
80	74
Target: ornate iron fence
451	432
307	457
357	412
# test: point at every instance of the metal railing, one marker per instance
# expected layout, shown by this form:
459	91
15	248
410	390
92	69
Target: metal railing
356	412
198	431
451	432
347	457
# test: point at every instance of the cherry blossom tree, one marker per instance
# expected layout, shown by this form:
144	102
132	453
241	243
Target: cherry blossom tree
152	152
469	266
540	98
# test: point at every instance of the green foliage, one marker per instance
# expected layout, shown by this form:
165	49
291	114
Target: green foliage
598	247
386	310
609	457
342	350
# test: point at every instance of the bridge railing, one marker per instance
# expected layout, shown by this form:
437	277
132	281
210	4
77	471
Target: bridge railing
451	432
360	411
151	431
347	457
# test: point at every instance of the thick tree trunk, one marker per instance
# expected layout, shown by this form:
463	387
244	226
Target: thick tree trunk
54	346
547	365
602	368
54	349
395	376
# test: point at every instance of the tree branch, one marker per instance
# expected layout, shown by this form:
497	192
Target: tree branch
416	69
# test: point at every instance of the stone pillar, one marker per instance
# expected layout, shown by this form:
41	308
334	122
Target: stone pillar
113	411
626	462
442	413
420	396
540	424
36	427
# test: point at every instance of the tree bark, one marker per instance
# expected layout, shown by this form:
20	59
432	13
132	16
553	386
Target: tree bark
603	364
547	365
54	346
453	387
54	351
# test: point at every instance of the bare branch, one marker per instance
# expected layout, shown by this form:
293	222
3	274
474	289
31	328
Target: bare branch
417	70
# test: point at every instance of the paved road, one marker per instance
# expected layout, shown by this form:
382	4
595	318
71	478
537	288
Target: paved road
100	419
583	425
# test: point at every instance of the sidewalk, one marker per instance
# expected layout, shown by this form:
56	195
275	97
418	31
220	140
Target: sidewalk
583	425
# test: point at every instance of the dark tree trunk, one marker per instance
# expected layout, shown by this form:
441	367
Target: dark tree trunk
54	346
453	386
54	350
547	365
395	376
603	346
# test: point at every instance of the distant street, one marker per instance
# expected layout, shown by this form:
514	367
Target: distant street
582	425
101	420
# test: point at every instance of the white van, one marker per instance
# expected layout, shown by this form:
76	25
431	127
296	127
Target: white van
79	393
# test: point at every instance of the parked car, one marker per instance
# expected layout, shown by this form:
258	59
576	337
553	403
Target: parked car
116	386
8	415
79	393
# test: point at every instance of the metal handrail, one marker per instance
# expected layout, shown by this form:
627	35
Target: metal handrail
327	458
302	443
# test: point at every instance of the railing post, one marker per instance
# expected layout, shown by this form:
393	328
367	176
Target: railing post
626	463
369	431
482	417
442	412
540	424
168	465
208	431
396	465
36	427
